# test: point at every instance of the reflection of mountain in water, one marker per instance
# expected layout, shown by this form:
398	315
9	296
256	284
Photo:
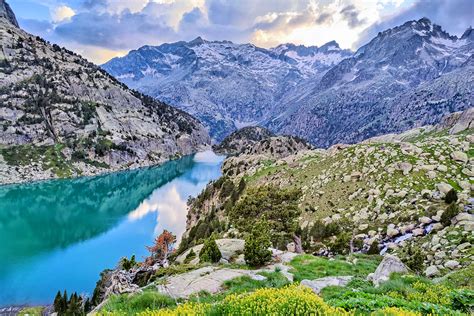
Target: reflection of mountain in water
58	213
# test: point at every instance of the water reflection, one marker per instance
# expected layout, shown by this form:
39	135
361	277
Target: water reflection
61	234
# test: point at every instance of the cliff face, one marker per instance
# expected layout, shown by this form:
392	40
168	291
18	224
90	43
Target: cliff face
7	13
63	116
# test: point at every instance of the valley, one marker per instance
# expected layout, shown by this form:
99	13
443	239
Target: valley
216	177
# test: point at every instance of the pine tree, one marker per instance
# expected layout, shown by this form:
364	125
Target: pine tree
256	250
210	252
58	303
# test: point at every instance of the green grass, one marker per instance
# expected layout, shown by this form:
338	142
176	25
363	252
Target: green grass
463	278
31	311
132	304
404	291
242	284
176	269
311	267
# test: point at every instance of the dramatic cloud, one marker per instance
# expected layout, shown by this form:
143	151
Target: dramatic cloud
351	15
62	13
101	29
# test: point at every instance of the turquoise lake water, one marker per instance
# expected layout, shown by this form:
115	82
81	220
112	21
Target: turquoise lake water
61	234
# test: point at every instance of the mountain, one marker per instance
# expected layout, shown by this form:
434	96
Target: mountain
63	116
405	77
7	13
226	85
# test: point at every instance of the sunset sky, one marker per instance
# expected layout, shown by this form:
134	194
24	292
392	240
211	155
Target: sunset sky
102	29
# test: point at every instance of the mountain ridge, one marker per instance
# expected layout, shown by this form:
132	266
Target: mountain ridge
307	93
63	116
245	80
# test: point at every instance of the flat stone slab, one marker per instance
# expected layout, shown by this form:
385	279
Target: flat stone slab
209	279
319	284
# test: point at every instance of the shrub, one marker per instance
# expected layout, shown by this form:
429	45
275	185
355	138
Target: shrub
342	244
374	248
451	196
103	146
256	250
413	258
451	211
210	252
290	300
190	256
128	264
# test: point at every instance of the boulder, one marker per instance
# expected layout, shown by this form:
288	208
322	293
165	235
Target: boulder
463	217
389	265
405	167
459	156
431	271
391	232
418	232
444	187
451	264
319	284
425	220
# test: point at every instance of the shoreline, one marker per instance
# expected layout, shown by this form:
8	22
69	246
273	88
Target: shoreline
92	172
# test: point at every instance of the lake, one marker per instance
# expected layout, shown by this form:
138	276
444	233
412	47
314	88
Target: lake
61	234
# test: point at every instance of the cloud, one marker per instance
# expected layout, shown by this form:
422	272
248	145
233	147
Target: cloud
62	13
110	26
455	16
125	31
351	15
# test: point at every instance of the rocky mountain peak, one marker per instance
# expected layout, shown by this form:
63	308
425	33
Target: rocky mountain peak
330	46
197	41
468	34
7	13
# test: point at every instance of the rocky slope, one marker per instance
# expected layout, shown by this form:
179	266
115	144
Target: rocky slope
62	116
408	76
389	191
226	85
242	139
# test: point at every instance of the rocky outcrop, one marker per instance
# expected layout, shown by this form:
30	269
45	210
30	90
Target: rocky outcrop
7	13
209	279
390	264
242	139
230	249
278	147
62	116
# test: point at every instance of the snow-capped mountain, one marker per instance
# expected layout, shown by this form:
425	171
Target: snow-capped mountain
226	85
406	76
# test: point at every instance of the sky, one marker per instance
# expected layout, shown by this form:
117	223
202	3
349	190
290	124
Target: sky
102	29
